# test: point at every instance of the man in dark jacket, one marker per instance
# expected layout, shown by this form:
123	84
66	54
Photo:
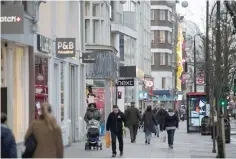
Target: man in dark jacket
171	123
160	117
92	113
8	144
132	118
114	124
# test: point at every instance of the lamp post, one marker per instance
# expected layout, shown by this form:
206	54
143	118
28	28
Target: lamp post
195	61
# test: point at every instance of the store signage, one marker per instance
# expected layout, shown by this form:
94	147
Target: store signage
65	47
12	19
125	82
143	95
148	83
88	58
44	44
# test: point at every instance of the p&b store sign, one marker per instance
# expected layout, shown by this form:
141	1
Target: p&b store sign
65	47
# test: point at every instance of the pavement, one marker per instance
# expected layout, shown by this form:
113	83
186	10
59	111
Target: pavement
233	126
191	145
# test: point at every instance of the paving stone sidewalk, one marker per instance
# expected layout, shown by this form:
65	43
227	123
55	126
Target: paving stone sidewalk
185	146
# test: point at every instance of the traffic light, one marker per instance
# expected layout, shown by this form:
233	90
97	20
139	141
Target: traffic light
234	87
185	67
119	94
223	102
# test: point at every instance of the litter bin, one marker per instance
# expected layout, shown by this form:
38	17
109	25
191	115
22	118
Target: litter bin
227	131
205	128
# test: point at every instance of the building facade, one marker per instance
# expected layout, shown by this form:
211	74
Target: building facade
103	73
17	72
61	81
33	74
163	45
130	35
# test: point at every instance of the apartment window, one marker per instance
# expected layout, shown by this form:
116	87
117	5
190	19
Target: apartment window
152	36
152	14
86	10
96	10
162	36
163	82
152	59
162	15
169	59
162	59
169	16
169	37
87	31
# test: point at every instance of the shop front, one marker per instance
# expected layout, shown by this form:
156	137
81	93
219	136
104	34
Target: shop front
59	82
15	86
102	74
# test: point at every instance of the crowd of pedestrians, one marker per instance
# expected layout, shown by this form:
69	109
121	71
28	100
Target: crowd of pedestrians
157	120
43	138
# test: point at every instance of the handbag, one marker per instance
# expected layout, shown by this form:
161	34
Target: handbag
108	140
30	146
163	136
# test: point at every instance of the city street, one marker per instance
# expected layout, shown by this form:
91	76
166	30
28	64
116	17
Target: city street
185	146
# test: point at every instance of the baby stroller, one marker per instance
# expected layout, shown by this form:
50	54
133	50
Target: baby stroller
93	135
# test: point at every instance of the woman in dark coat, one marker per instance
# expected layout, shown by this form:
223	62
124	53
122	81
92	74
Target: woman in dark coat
92	113
149	124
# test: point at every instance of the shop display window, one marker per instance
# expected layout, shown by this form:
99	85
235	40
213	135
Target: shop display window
41	81
19	112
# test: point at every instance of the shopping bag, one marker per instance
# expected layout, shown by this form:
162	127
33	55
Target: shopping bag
163	136
108	139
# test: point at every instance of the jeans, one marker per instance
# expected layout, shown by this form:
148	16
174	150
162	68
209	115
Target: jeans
148	136
157	130
119	136
133	132
170	134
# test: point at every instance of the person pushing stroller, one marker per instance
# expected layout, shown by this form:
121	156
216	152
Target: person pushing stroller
92	118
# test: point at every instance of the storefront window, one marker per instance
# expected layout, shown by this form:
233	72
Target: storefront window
62	93
18	95
41	81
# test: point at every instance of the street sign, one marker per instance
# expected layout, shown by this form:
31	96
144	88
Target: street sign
125	82
88	58
200	80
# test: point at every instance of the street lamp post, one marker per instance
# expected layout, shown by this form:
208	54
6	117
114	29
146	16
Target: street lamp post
194	60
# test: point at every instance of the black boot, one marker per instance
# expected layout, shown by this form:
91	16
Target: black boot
113	155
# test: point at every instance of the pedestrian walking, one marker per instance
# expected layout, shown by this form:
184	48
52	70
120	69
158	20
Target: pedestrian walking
8	143
46	134
155	111
160	117
171	123
133	120
149	124
114	124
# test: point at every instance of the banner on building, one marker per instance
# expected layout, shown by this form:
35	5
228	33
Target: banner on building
179	58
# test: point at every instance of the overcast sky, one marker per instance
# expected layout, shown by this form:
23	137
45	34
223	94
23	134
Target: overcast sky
196	12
